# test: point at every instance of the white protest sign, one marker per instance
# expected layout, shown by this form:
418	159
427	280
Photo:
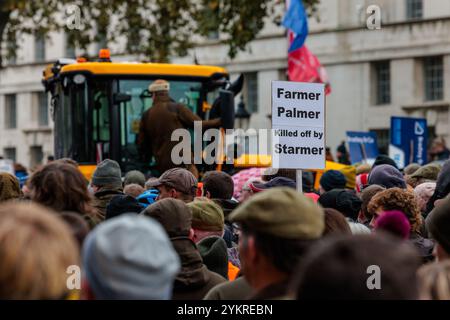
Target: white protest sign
298	125
7	166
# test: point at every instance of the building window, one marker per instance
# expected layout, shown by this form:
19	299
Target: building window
69	48
383	140
251	91
39	48
382	82
283	75
36	156
414	9
10	111
11	47
213	35
42	100
434	78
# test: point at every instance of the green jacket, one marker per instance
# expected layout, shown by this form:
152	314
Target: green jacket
102	199
238	289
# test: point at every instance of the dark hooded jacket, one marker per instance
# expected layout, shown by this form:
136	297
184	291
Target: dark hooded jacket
194	280
121	204
424	246
344	201
229	234
442	186
214	254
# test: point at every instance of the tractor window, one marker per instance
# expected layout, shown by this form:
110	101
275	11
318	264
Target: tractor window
101	124
63	124
72	123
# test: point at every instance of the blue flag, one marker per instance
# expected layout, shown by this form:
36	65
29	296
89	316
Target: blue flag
296	20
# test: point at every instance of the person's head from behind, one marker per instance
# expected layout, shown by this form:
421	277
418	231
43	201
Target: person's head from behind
36	248
344	201
174	215
121	204
383	159
134	177
387	176
277	228
366	195
424	192
434	281
427	173
129	257
218	185
61	187
159	89
410	169
133	190
207	219
396	199
107	175
438	145
246	191
438	225
78	226
277	182
149	182
332	179
9	187
335	223
393	222
362	267
68	161
177	183
272	173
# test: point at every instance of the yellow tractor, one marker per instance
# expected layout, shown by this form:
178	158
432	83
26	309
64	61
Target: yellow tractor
97	105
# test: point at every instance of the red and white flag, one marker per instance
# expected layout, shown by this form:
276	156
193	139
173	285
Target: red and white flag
303	66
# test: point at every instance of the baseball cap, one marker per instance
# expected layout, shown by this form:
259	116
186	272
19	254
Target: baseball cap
178	178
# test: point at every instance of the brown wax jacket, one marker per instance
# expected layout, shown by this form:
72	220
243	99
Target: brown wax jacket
157	125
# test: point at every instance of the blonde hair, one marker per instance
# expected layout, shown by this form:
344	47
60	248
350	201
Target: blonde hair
36	247
434	281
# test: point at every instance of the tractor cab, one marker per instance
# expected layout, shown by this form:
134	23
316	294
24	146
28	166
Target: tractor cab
97	106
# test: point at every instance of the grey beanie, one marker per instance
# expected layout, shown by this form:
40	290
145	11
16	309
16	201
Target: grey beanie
130	257
107	173
387	176
134	176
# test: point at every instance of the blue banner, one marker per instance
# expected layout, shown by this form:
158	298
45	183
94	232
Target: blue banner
409	138
362	146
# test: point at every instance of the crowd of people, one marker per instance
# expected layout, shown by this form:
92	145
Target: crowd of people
247	236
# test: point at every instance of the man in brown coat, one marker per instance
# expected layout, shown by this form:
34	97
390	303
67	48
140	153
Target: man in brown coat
158	123
106	183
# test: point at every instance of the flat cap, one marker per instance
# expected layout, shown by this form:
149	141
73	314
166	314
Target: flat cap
429	171
281	212
206	215
178	178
